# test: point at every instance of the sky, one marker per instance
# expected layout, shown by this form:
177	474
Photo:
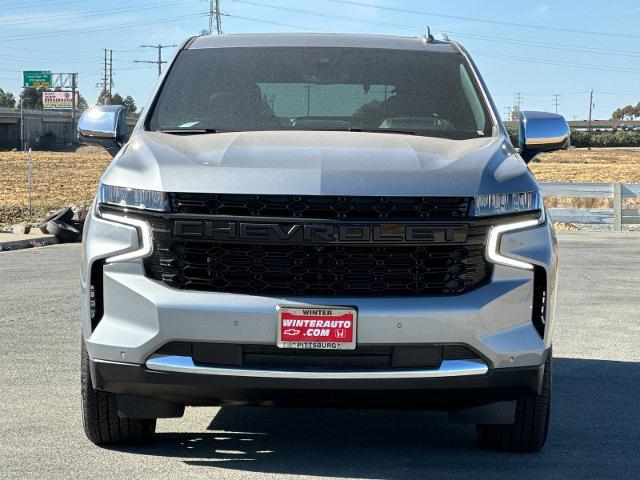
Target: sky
536	48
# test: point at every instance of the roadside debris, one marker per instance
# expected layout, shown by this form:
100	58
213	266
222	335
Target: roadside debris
65	224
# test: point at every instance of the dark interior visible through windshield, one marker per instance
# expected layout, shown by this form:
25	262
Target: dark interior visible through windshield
303	88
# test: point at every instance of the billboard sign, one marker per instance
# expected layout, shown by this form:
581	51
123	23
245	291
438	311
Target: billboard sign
57	100
36	78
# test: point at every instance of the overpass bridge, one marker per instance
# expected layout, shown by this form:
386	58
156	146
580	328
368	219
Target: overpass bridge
38	123
58	122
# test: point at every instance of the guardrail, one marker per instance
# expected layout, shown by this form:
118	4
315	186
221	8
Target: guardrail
616	216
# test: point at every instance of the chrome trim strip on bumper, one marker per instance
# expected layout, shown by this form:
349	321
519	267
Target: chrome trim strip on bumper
448	368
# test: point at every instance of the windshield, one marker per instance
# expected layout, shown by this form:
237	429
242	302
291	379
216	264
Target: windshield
295	88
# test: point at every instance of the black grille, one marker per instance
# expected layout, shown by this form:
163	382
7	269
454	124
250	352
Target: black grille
319	270
276	267
321	207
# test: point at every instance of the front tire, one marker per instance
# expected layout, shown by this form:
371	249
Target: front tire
529	431
100	419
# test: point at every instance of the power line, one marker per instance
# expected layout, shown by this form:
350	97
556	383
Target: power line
541	94
549	45
159	62
485	20
542	61
52	52
493	39
51	3
89	13
268	22
618	93
114	26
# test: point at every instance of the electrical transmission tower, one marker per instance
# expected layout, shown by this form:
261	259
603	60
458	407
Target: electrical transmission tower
110	72
518	100
214	13
159	62
556	101
106	85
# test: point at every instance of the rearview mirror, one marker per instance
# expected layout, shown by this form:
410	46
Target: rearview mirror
104	125
542	132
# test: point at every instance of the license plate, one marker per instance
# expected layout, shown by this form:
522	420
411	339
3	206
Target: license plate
320	328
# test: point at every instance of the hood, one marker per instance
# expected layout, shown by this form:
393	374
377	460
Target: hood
319	163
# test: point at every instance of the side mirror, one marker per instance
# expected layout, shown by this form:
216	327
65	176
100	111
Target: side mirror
542	132
104	125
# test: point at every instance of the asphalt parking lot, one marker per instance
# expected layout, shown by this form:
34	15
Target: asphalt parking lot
595	423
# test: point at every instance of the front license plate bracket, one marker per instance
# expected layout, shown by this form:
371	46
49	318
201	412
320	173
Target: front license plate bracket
317	327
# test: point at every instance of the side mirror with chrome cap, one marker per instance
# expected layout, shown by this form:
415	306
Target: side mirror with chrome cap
542	132
104	125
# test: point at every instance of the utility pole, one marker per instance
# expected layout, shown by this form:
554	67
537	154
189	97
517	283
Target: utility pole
110	72
74	89
105	78
22	146
507	112
159	62
556	97
214	12
106	84
590	111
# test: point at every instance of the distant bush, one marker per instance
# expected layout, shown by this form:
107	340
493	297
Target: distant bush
581	139
514	135
605	139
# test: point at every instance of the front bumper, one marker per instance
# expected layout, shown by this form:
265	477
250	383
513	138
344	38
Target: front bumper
220	388
141	315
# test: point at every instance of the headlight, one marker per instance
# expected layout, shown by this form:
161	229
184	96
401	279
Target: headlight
506	203
493	243
132	198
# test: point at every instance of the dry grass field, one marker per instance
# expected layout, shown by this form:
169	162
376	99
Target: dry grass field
61	179
607	165
58	179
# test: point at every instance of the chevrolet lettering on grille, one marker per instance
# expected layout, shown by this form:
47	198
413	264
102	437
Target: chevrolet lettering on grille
319	233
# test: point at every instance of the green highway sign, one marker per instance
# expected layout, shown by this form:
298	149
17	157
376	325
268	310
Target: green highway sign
36	78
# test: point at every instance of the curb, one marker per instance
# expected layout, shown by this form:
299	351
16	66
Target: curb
28	243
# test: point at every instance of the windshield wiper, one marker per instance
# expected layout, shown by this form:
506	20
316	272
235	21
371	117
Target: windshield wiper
350	129
383	130
190	131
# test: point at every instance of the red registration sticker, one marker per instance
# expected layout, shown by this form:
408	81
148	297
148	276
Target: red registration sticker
322	328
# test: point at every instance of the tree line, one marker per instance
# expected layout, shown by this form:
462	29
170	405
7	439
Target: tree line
31	98
630	112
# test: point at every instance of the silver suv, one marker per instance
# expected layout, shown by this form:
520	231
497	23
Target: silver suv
320	220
